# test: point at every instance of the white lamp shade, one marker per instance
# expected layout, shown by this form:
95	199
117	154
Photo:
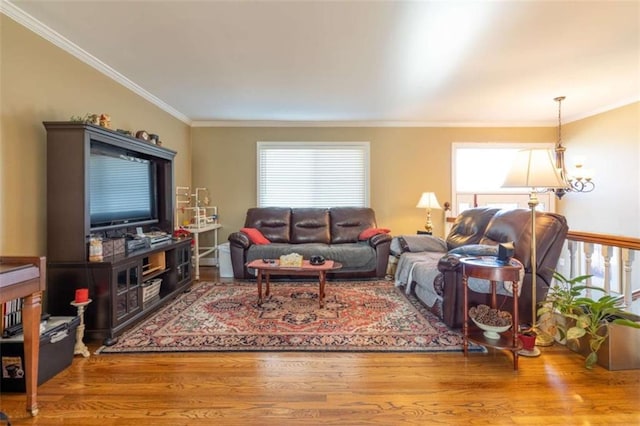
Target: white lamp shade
428	200
534	168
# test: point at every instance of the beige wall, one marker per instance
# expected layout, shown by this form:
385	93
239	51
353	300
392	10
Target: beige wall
408	161
40	82
610	144
404	163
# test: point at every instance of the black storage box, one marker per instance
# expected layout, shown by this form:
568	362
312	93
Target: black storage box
57	343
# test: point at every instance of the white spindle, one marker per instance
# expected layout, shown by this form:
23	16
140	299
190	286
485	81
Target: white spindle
607	253
627	261
573	248
587	249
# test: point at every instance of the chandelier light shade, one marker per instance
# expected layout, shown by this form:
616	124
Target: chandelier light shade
578	181
428	201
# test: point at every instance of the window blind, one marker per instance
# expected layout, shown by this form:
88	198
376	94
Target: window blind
318	174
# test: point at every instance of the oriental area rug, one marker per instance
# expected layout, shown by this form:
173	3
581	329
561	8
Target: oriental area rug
364	316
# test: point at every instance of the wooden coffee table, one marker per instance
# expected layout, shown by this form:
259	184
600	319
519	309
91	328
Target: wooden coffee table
267	269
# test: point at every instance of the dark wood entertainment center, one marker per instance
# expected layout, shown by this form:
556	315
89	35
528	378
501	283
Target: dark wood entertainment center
117	283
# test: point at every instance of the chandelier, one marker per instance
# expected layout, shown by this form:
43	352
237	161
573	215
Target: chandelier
580	179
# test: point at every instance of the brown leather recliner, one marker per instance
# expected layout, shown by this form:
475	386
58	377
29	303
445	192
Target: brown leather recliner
332	233
491	227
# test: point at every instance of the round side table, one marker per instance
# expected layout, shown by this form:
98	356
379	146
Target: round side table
80	348
489	268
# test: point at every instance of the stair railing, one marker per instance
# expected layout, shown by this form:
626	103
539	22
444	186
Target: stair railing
610	259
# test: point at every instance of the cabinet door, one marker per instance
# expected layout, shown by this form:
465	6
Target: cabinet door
184	263
127	291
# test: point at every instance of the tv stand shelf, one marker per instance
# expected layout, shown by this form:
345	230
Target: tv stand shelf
115	286
116	283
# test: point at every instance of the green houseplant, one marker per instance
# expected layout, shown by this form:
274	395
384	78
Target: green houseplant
593	319
569	315
560	301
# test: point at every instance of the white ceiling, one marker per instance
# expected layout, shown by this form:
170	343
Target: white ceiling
357	62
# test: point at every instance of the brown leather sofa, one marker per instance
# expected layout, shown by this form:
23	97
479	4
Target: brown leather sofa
332	233
478	231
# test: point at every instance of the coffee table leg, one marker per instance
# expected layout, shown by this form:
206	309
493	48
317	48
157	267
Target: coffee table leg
268	292
259	280
322	278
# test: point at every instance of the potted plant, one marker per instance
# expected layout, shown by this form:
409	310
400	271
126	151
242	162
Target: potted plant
560	301
593	318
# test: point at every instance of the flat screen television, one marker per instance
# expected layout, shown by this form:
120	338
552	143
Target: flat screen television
122	188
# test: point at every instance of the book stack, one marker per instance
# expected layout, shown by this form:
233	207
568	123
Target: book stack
11	314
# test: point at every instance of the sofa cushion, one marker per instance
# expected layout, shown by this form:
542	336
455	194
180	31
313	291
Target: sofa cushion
310	225
469	227
514	225
273	222
255	236
348	222
354	256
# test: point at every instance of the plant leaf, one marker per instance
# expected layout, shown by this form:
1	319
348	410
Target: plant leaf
575	333
591	359
583	321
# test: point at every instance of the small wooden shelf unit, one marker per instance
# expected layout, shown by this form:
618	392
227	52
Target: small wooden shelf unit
489	268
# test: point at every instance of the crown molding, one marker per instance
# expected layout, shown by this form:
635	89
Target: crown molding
604	109
283	123
27	21
15	13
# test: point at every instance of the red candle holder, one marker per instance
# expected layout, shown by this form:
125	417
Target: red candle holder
528	341
82	295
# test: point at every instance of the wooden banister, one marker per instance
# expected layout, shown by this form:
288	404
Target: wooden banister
627	246
630	243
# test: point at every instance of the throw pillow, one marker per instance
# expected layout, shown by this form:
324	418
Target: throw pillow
255	236
370	232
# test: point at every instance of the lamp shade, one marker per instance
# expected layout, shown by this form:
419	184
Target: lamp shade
534	168
428	200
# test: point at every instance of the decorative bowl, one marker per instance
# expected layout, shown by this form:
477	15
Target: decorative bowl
492	321
491	331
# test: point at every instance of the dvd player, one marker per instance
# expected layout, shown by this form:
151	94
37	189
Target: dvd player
156	237
159	238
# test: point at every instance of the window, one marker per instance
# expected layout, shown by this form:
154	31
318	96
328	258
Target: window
479	170
313	174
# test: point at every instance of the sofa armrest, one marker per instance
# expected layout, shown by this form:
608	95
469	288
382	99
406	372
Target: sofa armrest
378	239
417	243
381	244
450	262
240	239
239	244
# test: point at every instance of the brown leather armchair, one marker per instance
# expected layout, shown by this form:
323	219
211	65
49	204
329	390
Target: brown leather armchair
488	226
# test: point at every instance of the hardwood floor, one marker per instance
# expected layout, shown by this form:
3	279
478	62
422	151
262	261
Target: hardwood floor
332	388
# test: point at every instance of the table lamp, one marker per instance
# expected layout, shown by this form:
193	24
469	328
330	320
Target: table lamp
534	169
428	201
